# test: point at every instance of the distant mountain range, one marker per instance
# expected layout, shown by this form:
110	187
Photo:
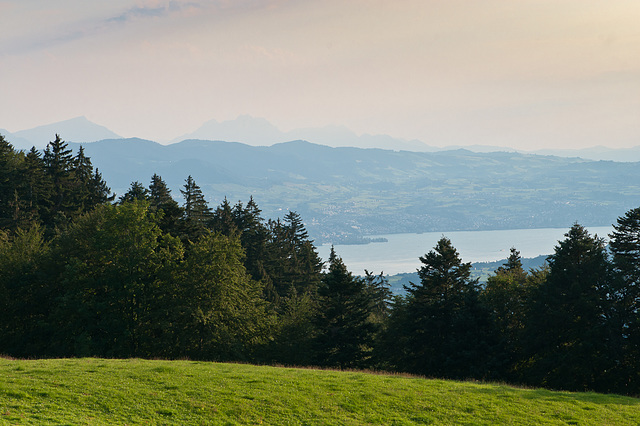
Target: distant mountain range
260	132
78	129
346	193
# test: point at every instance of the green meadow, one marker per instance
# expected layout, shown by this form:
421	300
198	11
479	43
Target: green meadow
135	391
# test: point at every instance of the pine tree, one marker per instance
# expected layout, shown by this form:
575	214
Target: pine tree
59	163
161	201
344	324
253	236
568	335
448	333
506	296
294	261
197	213
99	192
10	163
136	192
223	220
625	246
37	186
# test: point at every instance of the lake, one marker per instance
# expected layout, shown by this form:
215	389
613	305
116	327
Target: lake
401	252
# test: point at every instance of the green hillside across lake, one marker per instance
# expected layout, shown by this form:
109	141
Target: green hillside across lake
98	391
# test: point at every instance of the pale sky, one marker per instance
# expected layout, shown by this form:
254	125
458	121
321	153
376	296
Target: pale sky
521	73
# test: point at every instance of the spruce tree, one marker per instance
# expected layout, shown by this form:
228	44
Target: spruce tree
197	213
37	185
344	324
507	295
625	246
161	201
448	333
59	164
136	192
568	336
10	164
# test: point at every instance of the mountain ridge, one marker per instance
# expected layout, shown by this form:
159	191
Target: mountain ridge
346	191
260	132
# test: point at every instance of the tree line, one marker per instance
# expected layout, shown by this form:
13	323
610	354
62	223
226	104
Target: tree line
84	274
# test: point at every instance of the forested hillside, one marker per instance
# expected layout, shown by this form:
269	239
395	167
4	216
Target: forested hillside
83	273
351	192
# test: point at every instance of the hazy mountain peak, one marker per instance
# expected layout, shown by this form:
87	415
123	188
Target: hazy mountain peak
259	131
78	129
244	128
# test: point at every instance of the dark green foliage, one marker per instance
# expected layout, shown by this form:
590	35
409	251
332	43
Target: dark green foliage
36	186
112	261
197	213
59	164
568	339
625	246
26	292
343	321
221	315
507	295
223	219
293	262
446	331
137	192
10	162
253	237
148	278
162	203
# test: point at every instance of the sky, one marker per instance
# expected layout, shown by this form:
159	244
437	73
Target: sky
527	74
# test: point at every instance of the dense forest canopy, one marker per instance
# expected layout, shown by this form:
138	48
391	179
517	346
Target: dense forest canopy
84	274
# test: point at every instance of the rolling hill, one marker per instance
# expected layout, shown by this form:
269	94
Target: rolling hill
354	191
99	391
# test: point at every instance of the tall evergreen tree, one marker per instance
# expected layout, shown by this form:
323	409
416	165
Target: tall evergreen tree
224	220
253	236
99	192
136	192
10	163
568	336
625	246
59	163
295	263
197	213
37	186
507	295
448	333
344	324
161	201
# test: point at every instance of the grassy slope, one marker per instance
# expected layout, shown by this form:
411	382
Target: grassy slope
96	391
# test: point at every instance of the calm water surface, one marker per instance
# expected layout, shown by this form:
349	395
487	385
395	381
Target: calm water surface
401	252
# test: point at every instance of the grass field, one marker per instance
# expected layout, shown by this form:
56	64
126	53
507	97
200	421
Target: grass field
98	391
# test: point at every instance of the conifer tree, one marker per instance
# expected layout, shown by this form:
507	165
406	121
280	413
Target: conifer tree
625	246
9	172
136	192
36	184
253	236
343	322
295	262
507	295
197	213
59	163
224	220
160	200
568	328
448	333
